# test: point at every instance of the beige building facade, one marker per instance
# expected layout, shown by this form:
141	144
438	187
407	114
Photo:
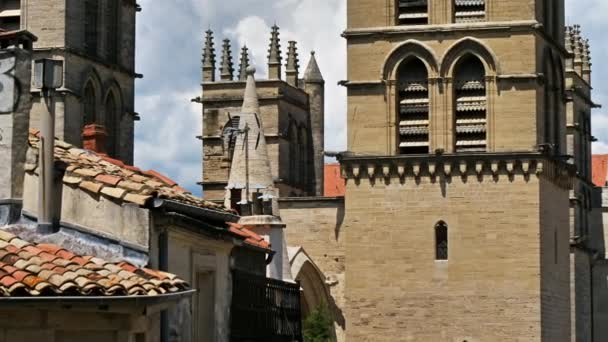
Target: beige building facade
457	225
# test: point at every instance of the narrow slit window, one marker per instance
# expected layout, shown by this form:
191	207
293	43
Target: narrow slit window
413	12
413	107
90	112
441	241
91	16
112	19
471	105
468	11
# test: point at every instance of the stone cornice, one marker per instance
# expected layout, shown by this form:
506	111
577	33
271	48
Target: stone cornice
496	165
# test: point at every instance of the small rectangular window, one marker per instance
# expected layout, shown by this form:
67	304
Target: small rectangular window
441	241
413	12
466	11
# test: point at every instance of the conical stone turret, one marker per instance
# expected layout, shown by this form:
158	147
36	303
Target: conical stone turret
209	58
274	55
227	68
314	85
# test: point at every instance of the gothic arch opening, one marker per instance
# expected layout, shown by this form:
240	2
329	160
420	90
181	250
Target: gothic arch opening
413	107
90	104
470	108
441	241
112	123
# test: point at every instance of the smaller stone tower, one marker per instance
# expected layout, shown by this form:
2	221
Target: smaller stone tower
314	85
293	65
209	58
227	68
244	63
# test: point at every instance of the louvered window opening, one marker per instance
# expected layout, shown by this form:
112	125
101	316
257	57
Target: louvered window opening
413	109
91	15
112	15
467	11
471	107
413	12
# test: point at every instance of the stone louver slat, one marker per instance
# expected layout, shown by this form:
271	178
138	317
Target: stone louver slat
41	270
470	2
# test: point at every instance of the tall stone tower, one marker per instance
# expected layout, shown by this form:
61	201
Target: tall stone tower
457	197
96	40
292	110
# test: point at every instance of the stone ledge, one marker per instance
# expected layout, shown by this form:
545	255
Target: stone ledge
496	165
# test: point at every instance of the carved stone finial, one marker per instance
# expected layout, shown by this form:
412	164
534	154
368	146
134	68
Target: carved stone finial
227	68
244	64
292	65
274	54
209	58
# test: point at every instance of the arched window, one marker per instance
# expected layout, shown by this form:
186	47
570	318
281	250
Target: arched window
441	241
91	17
412	12
558	95
112	124
90	104
549	110
471	106
293	143
304	159
112	20
468	11
413	107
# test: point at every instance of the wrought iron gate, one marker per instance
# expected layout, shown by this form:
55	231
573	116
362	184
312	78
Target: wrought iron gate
264	310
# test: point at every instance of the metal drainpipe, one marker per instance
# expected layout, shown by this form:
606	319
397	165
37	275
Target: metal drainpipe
163	264
46	224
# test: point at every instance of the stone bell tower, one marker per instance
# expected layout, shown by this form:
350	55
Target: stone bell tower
96	41
457	179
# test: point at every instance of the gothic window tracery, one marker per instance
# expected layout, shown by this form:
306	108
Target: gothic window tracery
471	105
441	241
412	12
413	107
467	11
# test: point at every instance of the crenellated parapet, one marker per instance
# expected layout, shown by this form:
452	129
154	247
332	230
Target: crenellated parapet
402	169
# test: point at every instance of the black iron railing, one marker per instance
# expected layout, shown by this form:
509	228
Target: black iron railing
264	310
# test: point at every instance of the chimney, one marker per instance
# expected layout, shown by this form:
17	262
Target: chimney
48	76
94	138
15	105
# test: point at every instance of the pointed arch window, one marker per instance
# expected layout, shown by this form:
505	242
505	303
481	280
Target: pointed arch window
441	241
468	11
91	18
112	124
412	12
90	105
471	105
413	107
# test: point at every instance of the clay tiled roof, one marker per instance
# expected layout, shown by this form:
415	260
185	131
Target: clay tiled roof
109	177
600	169
28	269
249	236
335	185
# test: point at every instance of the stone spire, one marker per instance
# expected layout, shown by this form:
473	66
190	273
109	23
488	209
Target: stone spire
313	73
250	163
209	58
274	55
314	86
586	60
244	63
227	68
292	66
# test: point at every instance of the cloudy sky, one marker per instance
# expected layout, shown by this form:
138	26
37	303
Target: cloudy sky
170	36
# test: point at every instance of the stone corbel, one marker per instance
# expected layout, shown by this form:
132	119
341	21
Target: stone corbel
356	171
416	169
510	166
401	170
386	171
371	171
447	169
540	167
525	167
432	168
494	167
479	168
463	168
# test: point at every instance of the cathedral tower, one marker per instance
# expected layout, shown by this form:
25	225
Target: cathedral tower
457	225
291	109
96	40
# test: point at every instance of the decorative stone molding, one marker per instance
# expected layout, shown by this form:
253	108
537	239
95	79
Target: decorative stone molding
495	165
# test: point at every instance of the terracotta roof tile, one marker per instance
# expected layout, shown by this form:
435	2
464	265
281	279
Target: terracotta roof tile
58	271
334	184
100	174
600	170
